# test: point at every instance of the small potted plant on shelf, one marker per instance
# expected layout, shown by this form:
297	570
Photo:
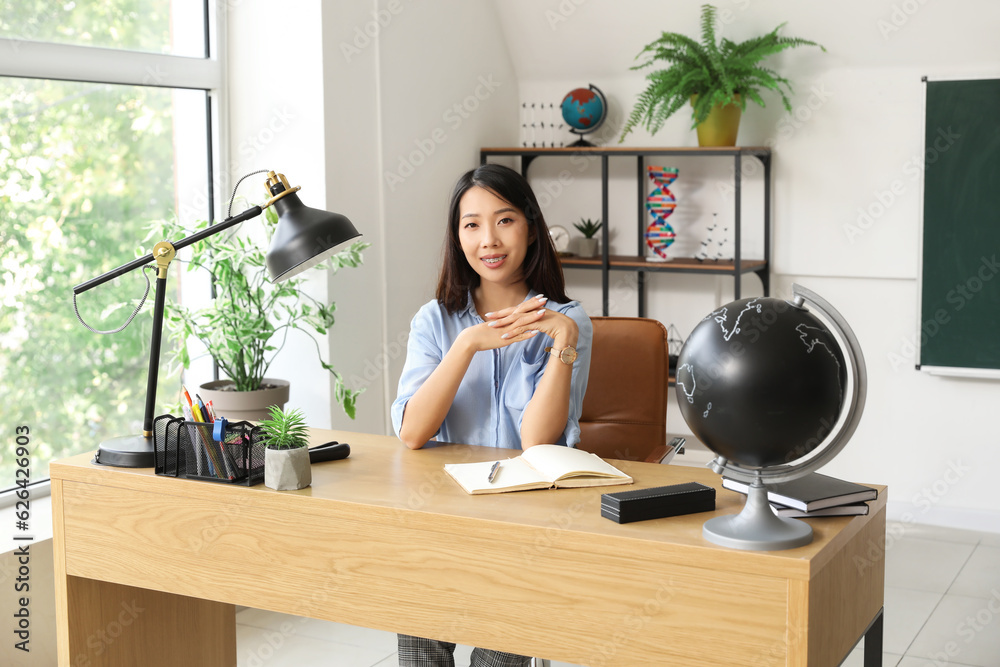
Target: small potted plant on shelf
587	246
240	327
286	457
716	78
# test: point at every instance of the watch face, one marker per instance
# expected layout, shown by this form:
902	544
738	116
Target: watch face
568	355
560	238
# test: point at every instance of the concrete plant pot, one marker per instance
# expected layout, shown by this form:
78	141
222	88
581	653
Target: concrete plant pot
586	247
287	469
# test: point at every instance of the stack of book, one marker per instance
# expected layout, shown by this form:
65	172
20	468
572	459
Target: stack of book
813	495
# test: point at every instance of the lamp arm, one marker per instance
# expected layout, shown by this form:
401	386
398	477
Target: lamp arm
183	243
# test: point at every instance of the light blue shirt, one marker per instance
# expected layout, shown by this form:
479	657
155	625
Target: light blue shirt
489	405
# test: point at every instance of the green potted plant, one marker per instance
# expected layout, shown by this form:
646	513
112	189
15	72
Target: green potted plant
286	453
246	325
716	78
587	246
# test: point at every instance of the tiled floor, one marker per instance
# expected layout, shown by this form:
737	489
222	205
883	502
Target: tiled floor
942	608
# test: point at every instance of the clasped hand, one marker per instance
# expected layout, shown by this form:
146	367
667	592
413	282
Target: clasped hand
521	322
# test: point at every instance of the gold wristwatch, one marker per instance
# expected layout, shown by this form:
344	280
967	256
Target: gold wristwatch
567	355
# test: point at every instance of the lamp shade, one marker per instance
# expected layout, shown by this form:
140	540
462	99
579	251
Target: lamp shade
304	237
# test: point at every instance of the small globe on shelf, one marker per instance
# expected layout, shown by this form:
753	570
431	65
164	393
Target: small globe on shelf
776	393
584	110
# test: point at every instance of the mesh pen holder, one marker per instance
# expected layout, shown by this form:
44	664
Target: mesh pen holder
188	449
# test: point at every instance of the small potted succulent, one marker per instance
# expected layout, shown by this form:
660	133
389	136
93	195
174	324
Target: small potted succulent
587	246
286	457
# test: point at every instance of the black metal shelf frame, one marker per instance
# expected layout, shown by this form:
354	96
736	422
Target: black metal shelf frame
737	154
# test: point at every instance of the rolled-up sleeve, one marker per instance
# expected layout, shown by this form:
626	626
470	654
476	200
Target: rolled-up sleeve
578	380
423	355
581	373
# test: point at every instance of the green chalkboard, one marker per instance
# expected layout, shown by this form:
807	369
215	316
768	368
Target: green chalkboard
960	276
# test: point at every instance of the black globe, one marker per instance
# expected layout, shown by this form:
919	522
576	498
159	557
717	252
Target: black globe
761	381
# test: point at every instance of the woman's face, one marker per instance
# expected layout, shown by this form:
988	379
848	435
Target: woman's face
494	235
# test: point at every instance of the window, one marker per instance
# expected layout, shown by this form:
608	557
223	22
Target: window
97	145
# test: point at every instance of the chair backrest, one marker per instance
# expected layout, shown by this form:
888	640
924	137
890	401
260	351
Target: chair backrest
625	408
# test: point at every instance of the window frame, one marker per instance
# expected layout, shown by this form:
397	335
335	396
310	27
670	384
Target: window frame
67	62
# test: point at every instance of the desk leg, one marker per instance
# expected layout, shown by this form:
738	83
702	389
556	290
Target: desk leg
102	624
873	641
110	624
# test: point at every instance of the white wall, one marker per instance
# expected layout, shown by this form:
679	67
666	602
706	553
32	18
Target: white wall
277	121
392	72
856	128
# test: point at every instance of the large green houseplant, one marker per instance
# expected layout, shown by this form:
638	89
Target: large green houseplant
247	324
711	75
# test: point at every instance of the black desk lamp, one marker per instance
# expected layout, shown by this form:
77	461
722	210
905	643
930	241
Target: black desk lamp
304	237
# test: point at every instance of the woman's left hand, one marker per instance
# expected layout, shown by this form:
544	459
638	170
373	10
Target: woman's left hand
532	316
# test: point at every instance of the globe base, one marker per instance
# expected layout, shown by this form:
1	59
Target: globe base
757	527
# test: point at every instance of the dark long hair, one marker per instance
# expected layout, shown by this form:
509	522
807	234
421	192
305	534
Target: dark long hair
541	268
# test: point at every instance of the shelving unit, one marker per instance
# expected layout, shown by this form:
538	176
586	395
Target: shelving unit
637	263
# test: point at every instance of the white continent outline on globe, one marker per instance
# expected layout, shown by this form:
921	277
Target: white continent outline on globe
694	383
721	315
803	330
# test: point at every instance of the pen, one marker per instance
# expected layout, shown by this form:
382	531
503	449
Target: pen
493	472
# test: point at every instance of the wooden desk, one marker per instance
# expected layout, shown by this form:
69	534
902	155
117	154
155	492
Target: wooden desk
148	568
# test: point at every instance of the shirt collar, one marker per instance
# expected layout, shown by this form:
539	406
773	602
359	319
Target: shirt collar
470	305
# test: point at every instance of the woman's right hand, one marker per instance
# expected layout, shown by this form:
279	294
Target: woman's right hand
510	325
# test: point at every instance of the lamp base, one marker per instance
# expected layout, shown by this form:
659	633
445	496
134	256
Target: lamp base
127	451
757	527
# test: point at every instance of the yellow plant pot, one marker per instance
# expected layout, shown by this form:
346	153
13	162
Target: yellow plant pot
721	126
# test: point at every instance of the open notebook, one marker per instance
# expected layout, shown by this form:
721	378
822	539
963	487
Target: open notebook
538	467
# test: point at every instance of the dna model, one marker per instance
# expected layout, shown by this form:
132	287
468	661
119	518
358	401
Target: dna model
661	204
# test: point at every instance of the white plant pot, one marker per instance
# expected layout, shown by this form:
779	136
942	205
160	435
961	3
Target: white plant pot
287	469
245	405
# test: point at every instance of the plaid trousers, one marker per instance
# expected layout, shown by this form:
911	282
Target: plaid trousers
420	652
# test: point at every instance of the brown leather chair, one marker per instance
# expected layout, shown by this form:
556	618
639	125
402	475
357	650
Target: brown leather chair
624	412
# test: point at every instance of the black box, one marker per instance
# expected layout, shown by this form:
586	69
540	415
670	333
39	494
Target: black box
658	502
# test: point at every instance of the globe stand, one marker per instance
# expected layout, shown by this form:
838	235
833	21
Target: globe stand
757	527
581	142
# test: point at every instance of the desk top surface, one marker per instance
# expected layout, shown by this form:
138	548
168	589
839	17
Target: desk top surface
388	482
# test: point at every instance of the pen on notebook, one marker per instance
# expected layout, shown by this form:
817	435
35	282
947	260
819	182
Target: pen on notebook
493	472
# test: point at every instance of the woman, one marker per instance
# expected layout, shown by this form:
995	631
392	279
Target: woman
501	356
